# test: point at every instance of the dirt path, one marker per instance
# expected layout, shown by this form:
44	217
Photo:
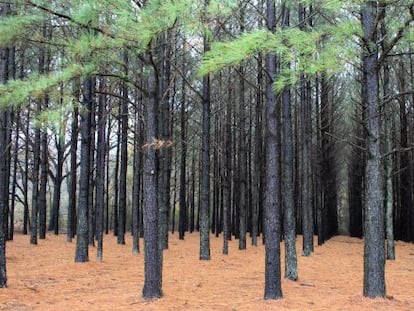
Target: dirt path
44	277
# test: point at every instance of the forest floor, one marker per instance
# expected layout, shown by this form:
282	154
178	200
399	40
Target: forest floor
45	277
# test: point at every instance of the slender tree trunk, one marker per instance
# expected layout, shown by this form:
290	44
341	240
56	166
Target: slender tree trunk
25	176
82	237
107	171
4	187
356	183
36	185
326	167
43	184
306	132
257	154
182	220
273	288
163	131
115	207
287	177
100	170
374	250
91	206
243	199
124	160
405	172
388	165
57	182
14	178
60	142
192	193
173	218
136	193
205	160
226	172
153	253
71	220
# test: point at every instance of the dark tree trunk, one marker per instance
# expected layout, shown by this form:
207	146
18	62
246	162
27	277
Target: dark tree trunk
405	165
44	64
356	184
163	131
306	134
243	199
153	253
214	169
43	184
115	207
205	169
374	250
25	176
138	163
57	180
14	178
91	206
287	176
273	287
36	185
174	203
257	186
325	161
192	193
124	160
387	123
107	172
4	187
71	220
100	170
182	220
57	184
328	178
82	237
226	171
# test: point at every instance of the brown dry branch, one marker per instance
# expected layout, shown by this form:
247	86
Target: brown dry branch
158	144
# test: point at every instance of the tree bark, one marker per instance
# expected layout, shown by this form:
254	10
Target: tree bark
71	220
288	203
273	288
115	207
153	253
182	220
374	250
205	160
124	159
388	160
243	199
91	187
163	132
57	183
100	170
4	187
136	193
82	237
43	183
405	165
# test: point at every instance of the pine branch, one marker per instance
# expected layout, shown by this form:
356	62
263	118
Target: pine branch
398	36
70	18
